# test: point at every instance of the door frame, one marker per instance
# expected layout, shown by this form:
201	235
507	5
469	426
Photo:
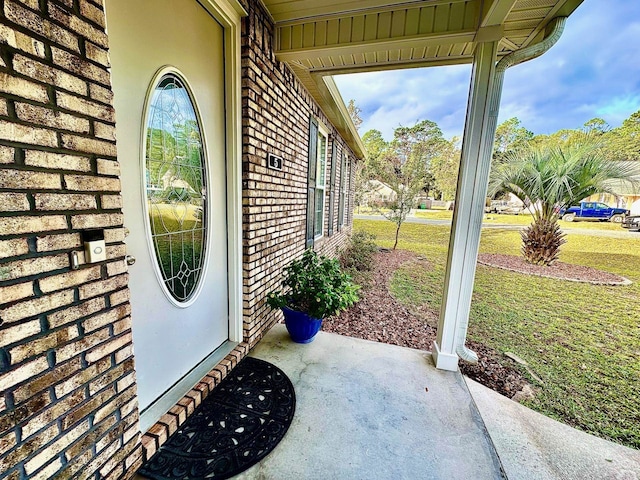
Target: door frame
229	14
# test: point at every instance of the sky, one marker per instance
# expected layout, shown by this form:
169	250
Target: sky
593	71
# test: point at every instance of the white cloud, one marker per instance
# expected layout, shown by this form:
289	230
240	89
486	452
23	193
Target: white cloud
402	97
593	71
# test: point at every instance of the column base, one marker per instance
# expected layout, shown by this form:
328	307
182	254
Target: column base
444	361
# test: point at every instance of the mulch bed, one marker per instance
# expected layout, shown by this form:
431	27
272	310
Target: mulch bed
560	270
379	317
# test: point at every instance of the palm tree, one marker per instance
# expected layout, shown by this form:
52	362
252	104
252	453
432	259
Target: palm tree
550	177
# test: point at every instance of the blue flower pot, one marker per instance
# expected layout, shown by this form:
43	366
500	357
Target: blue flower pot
301	327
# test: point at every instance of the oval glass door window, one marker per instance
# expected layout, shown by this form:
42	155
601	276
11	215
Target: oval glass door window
175	183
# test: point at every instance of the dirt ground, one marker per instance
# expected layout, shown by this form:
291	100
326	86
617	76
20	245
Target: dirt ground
564	271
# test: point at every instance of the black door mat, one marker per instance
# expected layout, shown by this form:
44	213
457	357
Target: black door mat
236	426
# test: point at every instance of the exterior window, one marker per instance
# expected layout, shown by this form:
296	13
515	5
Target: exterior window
343	204
347	192
175	181
321	183
332	188
316	181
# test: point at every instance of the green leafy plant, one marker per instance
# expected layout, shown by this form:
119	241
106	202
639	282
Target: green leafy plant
357	258
315	285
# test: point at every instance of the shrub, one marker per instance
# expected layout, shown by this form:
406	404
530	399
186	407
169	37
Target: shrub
357	258
359	253
315	285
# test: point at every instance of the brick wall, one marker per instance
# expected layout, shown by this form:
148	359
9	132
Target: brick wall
67	384
275	110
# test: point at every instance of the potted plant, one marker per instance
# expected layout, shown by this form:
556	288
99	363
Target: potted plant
314	288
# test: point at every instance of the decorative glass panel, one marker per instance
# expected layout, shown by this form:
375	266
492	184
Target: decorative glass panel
176	186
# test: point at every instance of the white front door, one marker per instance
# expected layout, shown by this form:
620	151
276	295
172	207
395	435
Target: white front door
168	78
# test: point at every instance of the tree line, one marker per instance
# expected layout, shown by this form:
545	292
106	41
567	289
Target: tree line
547	172
433	169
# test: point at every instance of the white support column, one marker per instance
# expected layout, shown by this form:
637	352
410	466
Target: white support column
477	147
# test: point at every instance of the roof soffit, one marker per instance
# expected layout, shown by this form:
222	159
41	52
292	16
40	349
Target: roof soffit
332	34
318	38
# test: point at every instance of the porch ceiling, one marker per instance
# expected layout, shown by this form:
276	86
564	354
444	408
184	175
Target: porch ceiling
319	38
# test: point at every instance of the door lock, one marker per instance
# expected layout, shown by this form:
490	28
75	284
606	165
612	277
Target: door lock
130	259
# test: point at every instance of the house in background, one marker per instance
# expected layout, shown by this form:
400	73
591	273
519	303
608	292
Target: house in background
625	195
628	198
378	194
134	272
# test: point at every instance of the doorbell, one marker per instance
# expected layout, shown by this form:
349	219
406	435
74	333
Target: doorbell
95	249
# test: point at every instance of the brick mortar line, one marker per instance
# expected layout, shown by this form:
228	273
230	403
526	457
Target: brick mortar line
44	60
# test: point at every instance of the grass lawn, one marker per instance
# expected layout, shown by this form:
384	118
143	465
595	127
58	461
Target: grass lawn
523	219
582	340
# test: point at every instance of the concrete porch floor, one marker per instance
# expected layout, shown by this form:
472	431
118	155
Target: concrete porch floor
373	411
368	410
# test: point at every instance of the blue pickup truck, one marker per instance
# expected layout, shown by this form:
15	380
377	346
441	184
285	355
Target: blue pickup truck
593	211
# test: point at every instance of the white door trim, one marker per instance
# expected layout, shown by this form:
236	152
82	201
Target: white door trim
229	13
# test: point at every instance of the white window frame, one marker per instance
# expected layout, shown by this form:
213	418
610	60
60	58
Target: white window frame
323	135
348	191
344	191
